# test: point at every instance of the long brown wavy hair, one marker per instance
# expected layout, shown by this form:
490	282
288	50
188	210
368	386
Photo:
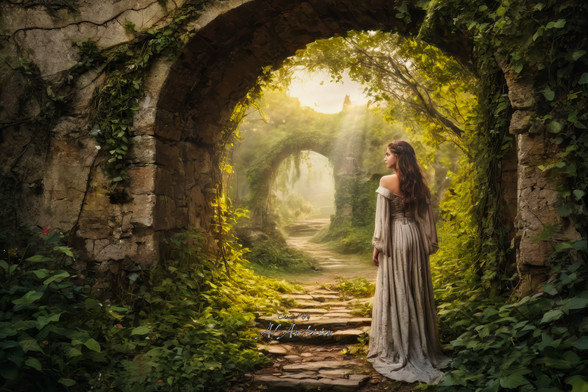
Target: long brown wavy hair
412	182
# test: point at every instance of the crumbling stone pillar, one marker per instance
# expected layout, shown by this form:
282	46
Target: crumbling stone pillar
539	227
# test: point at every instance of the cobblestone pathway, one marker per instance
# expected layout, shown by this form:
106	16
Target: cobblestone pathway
318	362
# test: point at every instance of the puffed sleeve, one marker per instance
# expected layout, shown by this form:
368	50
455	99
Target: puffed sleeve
381	236
426	222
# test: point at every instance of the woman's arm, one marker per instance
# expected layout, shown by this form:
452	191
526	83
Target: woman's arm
375	258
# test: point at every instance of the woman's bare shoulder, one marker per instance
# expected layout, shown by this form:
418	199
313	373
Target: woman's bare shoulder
388	181
391	182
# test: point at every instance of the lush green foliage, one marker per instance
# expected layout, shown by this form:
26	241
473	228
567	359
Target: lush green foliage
272	256
536	344
185	325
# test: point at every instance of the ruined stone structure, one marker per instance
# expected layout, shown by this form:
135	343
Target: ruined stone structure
185	107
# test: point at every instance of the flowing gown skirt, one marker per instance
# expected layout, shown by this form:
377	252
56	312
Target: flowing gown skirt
404	343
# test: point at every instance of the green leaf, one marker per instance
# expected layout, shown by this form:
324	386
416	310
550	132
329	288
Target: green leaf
38	259
56	278
550	289
41	273
552	315
583	78
572	358
73	352
141	330
577	54
578	383
92	345
548	94
579	194
68	382
538	7
42	321
554	126
515	379
28	298
34	363
559	24
4	265
564	211
29	345
582	343
575	303
65	250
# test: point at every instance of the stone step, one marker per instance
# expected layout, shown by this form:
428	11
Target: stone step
293	384
318	321
320	365
338	314
322	291
307	310
298	297
322	337
311	304
326	297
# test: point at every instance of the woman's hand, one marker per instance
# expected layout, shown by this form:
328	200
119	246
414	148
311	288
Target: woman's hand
375	258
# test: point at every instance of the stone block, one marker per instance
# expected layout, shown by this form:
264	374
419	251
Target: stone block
142	179
142	208
521	92
143	150
147	249
532	252
144	120
116	250
155	80
520	121
531	150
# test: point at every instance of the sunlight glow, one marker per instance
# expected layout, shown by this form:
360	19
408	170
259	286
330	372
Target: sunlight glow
317	91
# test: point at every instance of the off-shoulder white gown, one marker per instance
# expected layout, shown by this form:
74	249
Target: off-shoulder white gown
404	342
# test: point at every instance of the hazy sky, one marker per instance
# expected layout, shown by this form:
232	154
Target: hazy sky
327	97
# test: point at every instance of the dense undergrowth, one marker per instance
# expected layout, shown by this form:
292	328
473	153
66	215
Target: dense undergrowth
184	327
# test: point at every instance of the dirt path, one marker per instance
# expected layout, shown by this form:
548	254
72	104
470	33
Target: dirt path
332	265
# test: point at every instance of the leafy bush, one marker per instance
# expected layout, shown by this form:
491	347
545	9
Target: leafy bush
536	344
186	325
272	256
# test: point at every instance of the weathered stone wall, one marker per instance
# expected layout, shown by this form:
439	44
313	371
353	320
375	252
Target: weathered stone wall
537	199
182	115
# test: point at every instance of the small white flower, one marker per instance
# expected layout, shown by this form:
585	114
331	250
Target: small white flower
98	147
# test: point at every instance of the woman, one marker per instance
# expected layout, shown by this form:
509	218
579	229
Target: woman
404	343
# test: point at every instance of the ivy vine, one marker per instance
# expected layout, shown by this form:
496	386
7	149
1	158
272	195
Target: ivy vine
125	66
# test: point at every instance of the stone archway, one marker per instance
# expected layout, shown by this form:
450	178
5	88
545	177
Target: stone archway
217	69
191	100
